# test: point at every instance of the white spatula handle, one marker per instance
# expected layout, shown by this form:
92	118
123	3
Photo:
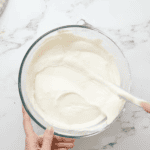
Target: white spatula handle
118	90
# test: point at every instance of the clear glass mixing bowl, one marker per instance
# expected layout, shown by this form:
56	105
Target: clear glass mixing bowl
84	31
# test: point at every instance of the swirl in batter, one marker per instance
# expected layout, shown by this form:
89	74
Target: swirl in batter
61	88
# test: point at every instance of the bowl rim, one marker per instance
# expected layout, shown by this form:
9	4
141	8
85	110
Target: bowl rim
21	68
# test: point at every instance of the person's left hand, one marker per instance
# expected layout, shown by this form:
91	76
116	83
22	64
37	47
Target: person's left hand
36	142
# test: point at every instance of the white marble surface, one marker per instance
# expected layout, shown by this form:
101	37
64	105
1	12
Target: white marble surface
126	22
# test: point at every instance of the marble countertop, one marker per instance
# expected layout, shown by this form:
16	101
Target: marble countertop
126	22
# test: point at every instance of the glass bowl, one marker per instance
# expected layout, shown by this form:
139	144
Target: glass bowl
82	31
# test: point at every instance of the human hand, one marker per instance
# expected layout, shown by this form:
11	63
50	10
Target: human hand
146	106
48	141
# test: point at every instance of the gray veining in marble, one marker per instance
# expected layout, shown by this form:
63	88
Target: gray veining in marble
22	22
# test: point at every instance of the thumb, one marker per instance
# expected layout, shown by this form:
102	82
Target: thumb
48	138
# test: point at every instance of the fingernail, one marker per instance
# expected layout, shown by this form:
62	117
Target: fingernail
49	127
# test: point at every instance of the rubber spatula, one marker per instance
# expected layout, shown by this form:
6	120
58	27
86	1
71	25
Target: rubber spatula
122	93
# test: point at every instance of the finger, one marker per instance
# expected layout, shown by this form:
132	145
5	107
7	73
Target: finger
27	123
146	106
61	149
40	141
62	145
65	145
41	136
47	139
63	139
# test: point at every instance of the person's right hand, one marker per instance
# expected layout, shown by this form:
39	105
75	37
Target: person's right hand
146	106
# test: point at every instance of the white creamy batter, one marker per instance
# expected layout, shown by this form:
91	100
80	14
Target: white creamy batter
61	88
